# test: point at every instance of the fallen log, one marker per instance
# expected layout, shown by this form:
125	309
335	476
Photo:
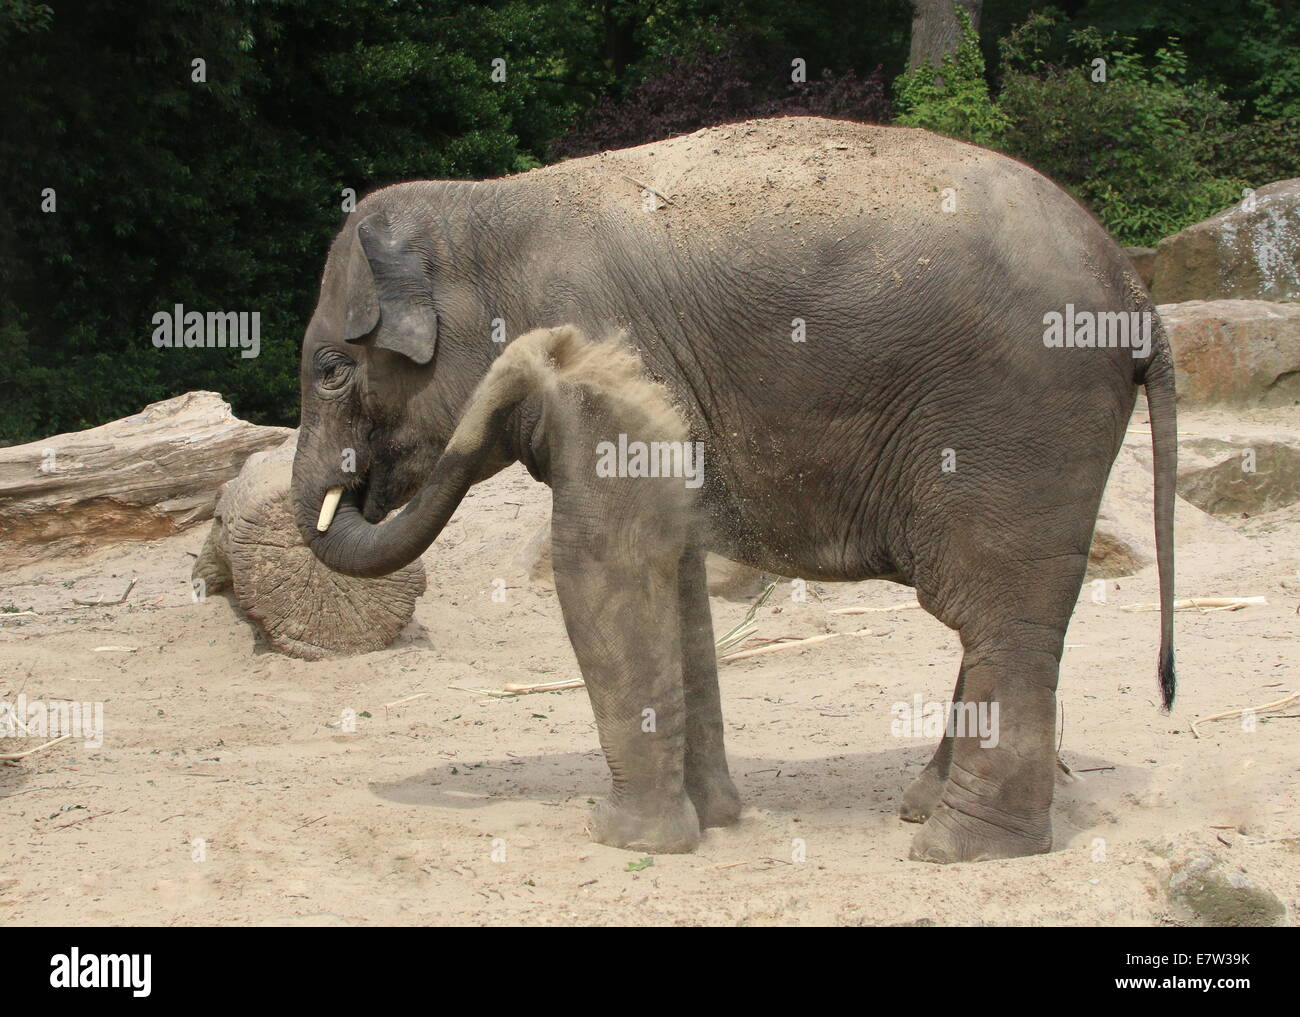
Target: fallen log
143	477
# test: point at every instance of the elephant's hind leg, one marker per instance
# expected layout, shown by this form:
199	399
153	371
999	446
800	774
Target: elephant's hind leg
996	800
708	780
923	794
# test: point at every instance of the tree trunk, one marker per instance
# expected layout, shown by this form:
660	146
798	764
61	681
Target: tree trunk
936	32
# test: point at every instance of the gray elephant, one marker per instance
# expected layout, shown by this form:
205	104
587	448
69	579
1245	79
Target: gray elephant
904	358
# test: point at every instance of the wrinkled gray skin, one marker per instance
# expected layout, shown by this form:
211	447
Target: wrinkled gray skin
823	459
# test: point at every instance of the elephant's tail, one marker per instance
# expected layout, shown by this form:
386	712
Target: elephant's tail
1158	379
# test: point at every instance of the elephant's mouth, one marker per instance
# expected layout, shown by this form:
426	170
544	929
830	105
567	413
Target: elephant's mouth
370	496
362	494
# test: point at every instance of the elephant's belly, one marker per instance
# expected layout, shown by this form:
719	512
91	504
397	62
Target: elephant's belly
800	533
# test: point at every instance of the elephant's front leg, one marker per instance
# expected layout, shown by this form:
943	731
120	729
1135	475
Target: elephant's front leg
618	588
708	780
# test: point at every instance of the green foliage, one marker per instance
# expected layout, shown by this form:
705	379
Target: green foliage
831	35
1260	152
225	194
1138	147
21	17
1272	47
952	99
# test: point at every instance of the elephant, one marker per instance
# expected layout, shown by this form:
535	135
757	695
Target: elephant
902	357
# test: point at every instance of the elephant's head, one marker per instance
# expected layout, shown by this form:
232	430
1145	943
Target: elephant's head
390	357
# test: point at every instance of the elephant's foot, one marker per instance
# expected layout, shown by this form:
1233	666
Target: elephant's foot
950	835
716	800
668	827
922	797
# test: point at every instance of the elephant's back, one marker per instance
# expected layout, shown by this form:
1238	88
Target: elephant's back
804	176
888	212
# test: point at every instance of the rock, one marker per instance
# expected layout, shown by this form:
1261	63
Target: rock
1144	261
1243	353
1209	894
303	609
1232	468
1250	251
139	478
1124	540
1239	476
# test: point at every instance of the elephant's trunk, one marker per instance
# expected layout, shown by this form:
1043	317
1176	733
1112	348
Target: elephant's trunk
355	547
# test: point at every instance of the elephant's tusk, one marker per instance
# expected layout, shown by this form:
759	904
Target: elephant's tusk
328	507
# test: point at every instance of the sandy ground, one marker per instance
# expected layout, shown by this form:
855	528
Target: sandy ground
227	791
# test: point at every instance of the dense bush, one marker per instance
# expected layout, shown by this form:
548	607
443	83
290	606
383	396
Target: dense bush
1137	147
224	194
1136	140
721	81
1260	152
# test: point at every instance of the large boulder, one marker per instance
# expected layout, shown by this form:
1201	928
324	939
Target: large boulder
1250	251
301	607
1232	468
1242	353
1227	476
139	478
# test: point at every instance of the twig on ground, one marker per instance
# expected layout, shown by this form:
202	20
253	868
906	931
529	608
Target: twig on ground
13	757
101	602
1202	603
515	689
877	610
494	693
84	819
1244	710
1064	767
524	689
790	644
737	634
408	699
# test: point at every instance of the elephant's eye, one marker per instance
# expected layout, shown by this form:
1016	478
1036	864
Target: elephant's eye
333	369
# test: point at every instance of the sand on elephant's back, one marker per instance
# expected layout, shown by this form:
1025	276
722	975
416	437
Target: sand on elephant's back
797	169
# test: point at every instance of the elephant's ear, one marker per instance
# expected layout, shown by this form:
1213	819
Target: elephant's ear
389	293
